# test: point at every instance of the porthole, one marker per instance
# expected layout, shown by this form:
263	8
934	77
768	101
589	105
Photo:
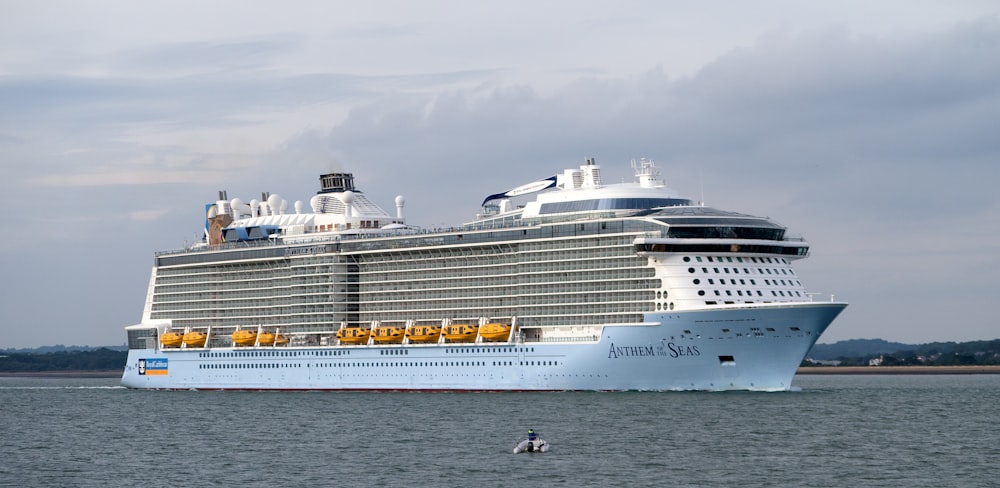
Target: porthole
697	281
687	259
690	270
659	295
701	293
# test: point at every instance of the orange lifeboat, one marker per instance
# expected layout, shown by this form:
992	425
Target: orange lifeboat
272	339
195	338
245	337
424	333
171	339
460	332
353	335
388	334
495	332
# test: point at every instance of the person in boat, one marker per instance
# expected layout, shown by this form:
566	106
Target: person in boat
532	436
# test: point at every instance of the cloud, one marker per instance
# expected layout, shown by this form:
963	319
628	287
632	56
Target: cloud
185	58
138	177
879	150
878	147
147	214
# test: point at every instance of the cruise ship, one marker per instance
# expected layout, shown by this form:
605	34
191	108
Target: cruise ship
564	283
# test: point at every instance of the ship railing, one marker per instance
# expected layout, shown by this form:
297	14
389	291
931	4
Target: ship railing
403	238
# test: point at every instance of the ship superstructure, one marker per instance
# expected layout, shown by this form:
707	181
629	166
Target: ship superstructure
587	286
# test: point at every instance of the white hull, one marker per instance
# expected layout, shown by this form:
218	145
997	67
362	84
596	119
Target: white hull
755	347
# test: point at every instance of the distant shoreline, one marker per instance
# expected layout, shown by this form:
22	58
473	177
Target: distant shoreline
993	369
103	373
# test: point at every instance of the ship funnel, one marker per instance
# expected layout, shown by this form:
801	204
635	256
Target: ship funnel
591	174
336	182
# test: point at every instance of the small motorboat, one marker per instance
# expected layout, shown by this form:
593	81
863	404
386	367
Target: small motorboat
536	445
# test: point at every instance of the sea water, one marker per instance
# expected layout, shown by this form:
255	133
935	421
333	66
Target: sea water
893	430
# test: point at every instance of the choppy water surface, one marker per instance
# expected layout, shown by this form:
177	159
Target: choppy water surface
834	431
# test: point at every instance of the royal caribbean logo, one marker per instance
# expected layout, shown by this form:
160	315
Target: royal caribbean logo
153	367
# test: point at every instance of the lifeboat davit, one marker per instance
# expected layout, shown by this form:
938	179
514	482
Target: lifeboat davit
271	339
195	338
353	335
495	332
388	334
460	332
424	333
245	337
171	339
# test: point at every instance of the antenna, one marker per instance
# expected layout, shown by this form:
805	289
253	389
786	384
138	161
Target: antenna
701	176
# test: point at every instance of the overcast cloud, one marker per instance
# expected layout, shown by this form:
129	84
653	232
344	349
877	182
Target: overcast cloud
868	128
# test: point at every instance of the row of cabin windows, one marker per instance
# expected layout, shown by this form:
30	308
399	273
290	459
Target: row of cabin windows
344	352
738	259
374	365
747	271
711	281
749	293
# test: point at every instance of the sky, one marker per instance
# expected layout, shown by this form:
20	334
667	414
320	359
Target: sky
872	129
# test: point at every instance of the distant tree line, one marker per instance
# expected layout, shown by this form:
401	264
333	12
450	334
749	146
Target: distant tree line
102	359
892	354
